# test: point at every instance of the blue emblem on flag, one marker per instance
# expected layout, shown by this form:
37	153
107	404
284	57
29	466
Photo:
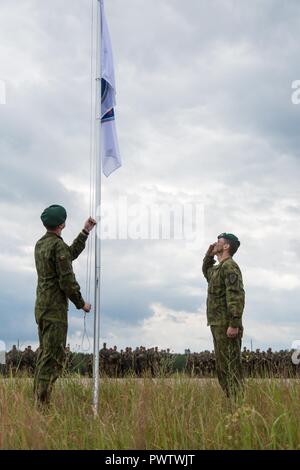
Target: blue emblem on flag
110	115
104	89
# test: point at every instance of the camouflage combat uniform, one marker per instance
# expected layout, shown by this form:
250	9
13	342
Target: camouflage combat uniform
225	305
104	360
13	360
28	360
56	284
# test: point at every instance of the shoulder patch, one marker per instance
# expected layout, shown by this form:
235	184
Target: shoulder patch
232	278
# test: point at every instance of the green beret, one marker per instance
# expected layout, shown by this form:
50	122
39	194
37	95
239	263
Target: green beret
229	236
54	216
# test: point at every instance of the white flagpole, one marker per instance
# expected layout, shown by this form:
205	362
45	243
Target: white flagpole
96	381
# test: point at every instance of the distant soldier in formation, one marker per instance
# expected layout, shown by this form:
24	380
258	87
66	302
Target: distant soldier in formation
27	362
104	360
128	362
225	306
68	359
114	362
155	365
141	361
13	359
90	365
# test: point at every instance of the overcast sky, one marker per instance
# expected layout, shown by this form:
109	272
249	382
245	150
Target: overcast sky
204	116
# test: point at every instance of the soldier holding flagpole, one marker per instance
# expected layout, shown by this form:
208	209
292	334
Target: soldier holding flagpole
56	285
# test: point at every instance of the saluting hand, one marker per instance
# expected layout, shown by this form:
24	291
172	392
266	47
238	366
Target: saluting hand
90	224
210	250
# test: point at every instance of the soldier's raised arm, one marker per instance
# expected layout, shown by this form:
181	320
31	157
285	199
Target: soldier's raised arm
66	276
235	294
208	262
78	244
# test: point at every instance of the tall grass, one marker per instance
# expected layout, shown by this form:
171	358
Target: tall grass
170	413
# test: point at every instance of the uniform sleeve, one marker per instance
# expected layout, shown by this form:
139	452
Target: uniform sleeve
67	280
235	294
207	265
78	245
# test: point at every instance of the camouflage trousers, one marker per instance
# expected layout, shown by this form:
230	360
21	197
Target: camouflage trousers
228	360
51	358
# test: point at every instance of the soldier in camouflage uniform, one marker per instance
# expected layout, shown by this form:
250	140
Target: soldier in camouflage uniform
28	360
128	361
225	305
257	363
68	359
156	362
122	363
90	365
104	360
13	360
114	361
142	359
56	284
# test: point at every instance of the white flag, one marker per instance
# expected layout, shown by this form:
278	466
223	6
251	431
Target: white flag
111	159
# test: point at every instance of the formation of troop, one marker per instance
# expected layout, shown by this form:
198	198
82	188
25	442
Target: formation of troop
254	364
138	361
112	363
17	360
153	362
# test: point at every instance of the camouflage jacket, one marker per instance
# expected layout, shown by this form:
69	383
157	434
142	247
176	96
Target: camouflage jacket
56	280
226	295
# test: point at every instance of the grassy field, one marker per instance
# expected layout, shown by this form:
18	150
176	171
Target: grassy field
177	413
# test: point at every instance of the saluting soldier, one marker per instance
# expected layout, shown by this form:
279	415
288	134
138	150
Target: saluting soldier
55	285
225	306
